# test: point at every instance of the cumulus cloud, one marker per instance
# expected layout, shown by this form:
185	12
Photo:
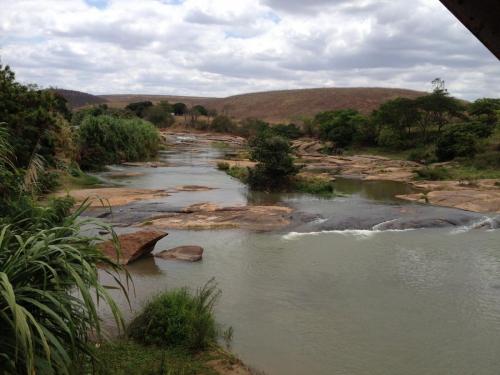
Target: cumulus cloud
224	47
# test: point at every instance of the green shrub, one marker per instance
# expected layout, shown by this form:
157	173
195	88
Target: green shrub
422	155
178	318
160	115
456	141
48	279
223	166
290	131
433	174
313	186
107	140
487	160
275	164
240	173
222	124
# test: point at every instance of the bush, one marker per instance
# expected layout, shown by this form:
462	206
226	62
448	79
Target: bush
456	141
275	164
178	318
222	124
107	140
223	166
313	186
290	131
160	115
422	155
433	174
339	127
487	160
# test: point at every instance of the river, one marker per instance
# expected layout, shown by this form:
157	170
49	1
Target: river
337	294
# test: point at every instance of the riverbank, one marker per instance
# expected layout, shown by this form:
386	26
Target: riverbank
477	195
125	357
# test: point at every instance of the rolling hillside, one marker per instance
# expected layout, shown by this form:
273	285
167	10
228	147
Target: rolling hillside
77	99
280	106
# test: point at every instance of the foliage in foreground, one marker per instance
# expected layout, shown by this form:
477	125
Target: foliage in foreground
48	283
179	319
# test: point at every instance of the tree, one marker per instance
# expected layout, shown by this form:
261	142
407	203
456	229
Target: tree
275	164
486	110
222	124
139	108
160	115
200	110
456	141
180	109
394	122
340	126
35	119
437	109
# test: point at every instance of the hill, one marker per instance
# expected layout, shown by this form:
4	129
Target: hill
280	106
77	99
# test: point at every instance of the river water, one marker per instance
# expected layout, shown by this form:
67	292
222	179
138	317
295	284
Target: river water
337	294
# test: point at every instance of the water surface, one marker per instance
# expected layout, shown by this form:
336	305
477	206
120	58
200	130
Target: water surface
335	295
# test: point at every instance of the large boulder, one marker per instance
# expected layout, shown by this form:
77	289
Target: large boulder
132	245
186	253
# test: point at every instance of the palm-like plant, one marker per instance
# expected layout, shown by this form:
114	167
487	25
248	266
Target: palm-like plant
49	284
49	291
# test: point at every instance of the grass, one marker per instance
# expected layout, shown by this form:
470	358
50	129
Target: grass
240	173
77	179
313	185
458	172
127	357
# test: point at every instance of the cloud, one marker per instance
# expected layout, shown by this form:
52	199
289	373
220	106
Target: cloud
225	47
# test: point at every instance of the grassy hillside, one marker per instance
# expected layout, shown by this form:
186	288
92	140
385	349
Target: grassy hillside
78	99
277	106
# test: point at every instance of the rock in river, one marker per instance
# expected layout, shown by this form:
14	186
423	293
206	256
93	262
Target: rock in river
187	253
132	245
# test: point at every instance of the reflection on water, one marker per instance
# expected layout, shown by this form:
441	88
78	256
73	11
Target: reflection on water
416	302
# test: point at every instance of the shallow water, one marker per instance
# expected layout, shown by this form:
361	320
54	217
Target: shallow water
335	295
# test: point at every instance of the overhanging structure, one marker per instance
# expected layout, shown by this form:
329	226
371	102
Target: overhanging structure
481	17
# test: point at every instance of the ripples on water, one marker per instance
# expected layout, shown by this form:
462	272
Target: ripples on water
354	301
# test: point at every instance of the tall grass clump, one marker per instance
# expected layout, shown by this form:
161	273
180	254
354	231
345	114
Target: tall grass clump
49	292
179	318
106	140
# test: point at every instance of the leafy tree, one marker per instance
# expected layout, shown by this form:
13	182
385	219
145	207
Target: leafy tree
456	141
486	110
139	108
290	131
222	124
160	115
437	109
275	164
251	127
339	127
34	118
180	109
200	110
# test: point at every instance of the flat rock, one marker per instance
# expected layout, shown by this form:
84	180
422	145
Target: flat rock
210	216
132	245
113	196
185	253
476	200
193	188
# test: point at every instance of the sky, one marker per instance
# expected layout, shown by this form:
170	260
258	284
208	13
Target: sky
227	47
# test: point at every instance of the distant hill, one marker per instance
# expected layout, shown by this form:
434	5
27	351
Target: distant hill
278	106
77	99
